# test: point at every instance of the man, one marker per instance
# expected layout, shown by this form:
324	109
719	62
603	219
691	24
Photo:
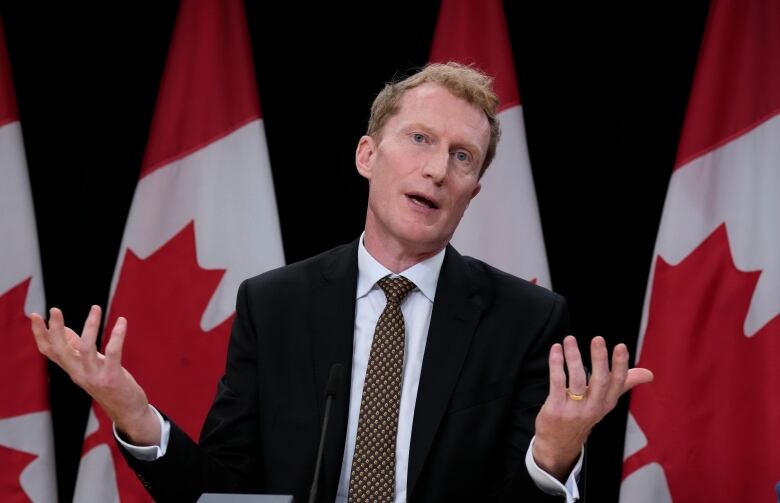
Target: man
440	401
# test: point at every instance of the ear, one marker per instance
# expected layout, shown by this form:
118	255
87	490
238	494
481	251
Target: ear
475	191
364	156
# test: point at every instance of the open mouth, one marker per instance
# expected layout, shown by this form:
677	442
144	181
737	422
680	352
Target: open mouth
423	201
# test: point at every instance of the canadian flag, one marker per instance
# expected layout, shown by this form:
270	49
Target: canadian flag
708	428
26	440
203	218
502	225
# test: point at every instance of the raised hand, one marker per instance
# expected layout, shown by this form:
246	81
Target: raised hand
100	375
569	414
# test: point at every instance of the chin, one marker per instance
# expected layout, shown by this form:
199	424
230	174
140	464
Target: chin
425	240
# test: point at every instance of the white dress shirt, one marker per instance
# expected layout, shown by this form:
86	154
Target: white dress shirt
416	308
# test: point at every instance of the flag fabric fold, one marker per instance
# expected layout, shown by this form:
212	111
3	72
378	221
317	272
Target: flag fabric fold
501	225
203	218
706	429
26	436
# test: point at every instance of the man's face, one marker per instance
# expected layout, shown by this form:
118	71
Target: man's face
423	170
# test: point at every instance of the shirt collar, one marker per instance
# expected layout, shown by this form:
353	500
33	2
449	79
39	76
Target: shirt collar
425	274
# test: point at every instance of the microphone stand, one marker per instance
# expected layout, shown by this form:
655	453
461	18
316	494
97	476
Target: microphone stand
334	383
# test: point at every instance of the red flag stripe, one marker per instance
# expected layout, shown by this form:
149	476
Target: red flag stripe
210	54
460	37
26	441
737	81
8	111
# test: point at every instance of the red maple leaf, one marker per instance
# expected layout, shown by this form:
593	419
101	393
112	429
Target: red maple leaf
178	364
24	389
22	367
13	463
712	415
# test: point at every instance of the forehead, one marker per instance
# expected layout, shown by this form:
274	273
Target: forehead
436	107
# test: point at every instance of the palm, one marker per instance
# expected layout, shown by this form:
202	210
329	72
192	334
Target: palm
100	375
570	412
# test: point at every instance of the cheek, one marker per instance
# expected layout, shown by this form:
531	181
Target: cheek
379	194
386	184
464	196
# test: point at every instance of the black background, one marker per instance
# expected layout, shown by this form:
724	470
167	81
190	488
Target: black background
604	91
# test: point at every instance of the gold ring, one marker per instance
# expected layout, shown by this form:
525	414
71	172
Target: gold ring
575	396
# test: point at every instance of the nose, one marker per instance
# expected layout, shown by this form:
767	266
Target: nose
436	167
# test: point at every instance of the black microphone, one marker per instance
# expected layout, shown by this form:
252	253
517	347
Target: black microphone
331	390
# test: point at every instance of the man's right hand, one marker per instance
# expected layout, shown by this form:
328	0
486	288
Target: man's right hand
102	376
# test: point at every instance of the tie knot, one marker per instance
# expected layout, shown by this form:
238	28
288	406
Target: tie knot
396	288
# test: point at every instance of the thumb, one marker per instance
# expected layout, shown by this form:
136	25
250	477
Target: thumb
636	377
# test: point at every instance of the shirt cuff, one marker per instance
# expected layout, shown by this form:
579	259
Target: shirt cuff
550	484
149	452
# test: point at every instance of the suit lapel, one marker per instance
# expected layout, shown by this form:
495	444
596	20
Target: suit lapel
332	325
455	315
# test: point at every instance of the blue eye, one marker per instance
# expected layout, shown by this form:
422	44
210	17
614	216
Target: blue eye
462	156
418	137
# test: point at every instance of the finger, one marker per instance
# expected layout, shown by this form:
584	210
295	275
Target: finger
56	320
599	380
116	341
557	375
86	343
619	373
56	331
577	381
90	330
39	332
636	377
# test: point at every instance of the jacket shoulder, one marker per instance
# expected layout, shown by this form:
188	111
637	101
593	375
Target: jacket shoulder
509	287
302	274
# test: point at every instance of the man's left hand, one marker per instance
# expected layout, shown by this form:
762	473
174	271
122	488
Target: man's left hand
569	414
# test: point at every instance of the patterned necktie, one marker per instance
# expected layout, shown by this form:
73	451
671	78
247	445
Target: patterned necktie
373	464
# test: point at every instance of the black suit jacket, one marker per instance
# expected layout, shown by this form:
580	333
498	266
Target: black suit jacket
484	378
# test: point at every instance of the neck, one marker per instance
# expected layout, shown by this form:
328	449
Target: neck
396	256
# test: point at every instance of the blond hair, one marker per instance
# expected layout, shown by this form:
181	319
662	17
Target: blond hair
463	81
